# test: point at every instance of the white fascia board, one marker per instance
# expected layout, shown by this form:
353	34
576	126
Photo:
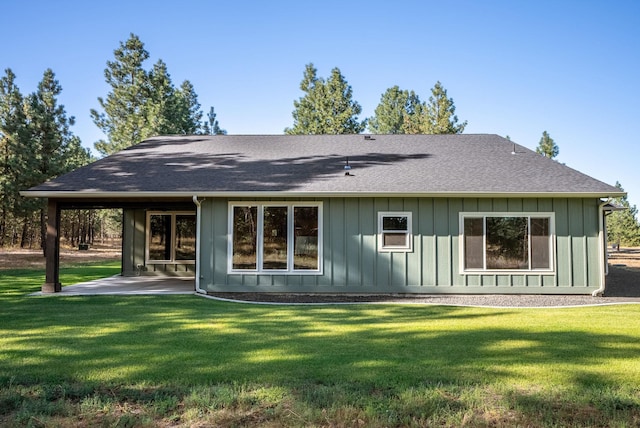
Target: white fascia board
322	194
86	194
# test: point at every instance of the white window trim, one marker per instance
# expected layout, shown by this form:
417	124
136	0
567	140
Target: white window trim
173	260
397	249
552	242
260	237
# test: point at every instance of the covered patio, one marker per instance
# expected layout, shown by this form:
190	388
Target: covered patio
52	254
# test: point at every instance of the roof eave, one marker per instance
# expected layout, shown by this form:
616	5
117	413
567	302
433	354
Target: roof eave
314	194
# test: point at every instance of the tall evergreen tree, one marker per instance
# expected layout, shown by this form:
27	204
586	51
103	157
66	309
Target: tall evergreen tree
440	117
169	110
327	106
160	109
189	116
143	103
211	125
53	149
547	146
123	119
304	115
12	136
36	144
623	227
395	111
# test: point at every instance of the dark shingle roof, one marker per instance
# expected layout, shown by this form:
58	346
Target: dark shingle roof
314	164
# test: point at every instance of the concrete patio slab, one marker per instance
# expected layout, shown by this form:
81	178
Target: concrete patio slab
121	285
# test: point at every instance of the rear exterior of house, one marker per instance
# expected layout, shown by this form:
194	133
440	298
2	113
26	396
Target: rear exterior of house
432	245
409	214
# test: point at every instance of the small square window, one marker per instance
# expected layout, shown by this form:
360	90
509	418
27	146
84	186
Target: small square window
394	231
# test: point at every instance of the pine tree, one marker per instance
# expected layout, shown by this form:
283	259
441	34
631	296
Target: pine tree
395	112
304	115
36	144
211	126
160	109
12	136
547	146
416	123
189	115
327	106
171	111
143	103
439	115
622	226
52	149
123	119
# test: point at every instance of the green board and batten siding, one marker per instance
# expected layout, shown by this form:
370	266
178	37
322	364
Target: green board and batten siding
133	241
351	262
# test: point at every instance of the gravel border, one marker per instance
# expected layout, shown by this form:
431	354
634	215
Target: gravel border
623	286
493	300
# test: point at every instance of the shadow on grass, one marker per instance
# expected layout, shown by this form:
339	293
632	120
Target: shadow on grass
183	340
399	362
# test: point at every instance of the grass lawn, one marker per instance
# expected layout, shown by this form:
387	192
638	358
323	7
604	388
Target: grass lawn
181	360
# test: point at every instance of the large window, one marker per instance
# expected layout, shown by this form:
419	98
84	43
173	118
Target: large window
503	242
171	237
273	237
394	231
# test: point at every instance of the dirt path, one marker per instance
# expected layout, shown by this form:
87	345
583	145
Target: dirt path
16	258
629	257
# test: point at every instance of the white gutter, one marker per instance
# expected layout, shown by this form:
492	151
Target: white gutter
198	242
602	249
125	195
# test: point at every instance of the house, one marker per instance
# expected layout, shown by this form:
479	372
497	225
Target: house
346	213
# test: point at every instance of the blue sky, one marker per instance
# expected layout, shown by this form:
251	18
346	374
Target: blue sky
513	68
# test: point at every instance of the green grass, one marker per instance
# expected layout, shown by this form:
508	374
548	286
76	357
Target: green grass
185	360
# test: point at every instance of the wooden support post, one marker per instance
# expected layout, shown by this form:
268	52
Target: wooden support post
52	249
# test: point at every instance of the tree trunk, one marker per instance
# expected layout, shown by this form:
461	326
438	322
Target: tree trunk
3	227
92	226
25	232
43	231
14	235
